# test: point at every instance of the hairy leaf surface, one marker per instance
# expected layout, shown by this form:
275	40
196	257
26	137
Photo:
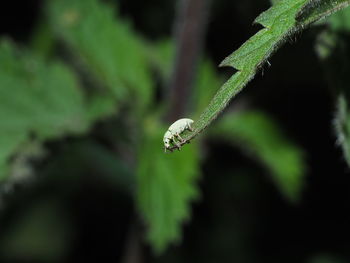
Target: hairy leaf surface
279	24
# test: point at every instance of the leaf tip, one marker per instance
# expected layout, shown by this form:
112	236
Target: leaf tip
227	62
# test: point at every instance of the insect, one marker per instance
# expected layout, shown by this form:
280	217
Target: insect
174	132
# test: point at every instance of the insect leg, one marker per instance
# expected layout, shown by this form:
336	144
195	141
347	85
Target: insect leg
189	127
178	146
179	137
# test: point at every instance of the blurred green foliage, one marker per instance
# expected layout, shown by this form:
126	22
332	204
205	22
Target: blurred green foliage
258	135
108	49
86	92
166	186
38	98
340	21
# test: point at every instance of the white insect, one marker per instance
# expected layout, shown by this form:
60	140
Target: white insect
174	132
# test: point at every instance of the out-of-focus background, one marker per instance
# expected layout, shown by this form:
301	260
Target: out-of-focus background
87	90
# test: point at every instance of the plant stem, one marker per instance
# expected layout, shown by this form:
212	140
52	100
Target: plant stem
190	27
133	250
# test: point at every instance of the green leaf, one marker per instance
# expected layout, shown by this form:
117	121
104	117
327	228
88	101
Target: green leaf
100	106
205	86
259	136
317	9
340	21
162	55
36	98
88	157
10	142
166	187
279	24
42	40
106	46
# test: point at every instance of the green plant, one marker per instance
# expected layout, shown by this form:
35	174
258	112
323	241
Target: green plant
281	22
84	88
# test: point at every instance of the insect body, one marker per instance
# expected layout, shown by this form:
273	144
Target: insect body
174	132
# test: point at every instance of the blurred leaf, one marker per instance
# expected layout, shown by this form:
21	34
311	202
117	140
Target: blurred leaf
36	98
21	166
258	135
166	187
341	20
315	10
9	142
106	46
162	55
86	158
42	40
332	47
279	24
206	85
100	106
